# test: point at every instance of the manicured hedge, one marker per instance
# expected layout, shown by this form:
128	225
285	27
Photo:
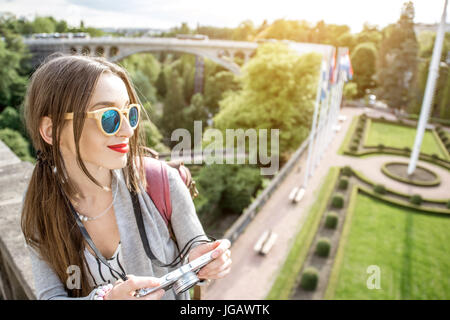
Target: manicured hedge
337	201
323	247
343	184
347	171
379	188
416	199
331	220
310	278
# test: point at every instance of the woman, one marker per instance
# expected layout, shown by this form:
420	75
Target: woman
82	114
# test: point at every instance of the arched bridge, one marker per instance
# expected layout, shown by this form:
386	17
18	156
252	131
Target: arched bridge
222	52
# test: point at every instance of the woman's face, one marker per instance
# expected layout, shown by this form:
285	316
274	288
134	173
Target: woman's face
94	144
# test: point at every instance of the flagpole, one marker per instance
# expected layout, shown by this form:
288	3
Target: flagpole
313	126
433	74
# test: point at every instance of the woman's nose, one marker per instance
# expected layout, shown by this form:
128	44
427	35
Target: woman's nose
125	130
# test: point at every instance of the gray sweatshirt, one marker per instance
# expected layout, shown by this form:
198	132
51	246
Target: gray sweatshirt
185	225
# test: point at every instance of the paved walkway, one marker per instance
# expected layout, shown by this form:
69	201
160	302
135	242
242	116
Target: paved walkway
252	275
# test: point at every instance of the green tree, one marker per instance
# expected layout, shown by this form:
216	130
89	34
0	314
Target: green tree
398	60
347	40
350	90
241	186
245	31
160	83
153	138
369	33
282	29
441	102
216	86
225	188
363	62
17	143
174	103
12	82
43	25
278	92
61	26
196	111
10	118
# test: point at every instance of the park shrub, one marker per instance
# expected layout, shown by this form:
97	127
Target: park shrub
407	149
337	201
416	199
444	138
380	146
343	184
359	129
434	156
356	141
331	220
309	280
448	204
447	145
379	188
347	171
323	247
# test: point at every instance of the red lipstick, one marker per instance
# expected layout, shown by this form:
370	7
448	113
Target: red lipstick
122	148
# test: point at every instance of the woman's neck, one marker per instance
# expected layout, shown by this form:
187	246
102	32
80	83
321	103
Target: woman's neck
89	191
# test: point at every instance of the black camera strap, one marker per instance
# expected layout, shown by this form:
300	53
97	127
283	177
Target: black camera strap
145	243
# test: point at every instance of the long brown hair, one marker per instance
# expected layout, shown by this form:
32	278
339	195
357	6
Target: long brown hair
65	83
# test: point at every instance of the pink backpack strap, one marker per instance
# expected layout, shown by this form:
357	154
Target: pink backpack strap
158	186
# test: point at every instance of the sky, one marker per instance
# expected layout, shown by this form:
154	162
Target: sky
164	14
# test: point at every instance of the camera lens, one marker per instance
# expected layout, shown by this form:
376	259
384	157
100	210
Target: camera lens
187	281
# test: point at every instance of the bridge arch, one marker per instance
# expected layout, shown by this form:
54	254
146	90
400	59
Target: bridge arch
229	65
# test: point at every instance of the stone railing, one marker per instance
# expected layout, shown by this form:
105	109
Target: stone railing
16	279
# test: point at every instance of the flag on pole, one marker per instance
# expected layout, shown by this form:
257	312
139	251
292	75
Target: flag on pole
346	66
332	77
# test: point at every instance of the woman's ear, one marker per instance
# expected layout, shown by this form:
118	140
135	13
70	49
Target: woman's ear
45	129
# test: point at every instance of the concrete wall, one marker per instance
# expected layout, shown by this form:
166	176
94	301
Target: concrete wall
16	280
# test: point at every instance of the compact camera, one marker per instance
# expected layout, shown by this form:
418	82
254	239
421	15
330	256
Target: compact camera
181	279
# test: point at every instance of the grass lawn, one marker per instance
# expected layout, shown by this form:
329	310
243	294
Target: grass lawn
411	249
397	136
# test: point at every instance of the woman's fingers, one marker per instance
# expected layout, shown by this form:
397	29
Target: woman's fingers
129	287
216	266
224	245
134	283
157	295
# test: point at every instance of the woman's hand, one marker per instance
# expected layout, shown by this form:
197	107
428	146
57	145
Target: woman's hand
220	266
124	290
